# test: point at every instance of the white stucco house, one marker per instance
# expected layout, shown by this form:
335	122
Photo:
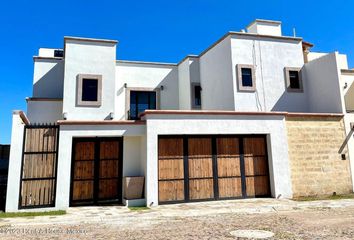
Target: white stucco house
256	114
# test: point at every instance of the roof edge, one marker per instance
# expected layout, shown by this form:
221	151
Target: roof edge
263	21
89	39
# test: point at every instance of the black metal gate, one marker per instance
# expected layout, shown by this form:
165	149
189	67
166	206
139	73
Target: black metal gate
4	166
39	166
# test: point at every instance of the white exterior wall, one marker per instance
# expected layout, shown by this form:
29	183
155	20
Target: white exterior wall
348	92
44	111
265	28
146	75
323	85
216	77
188	73
269	57
48	78
131	157
83	57
184	85
273	126
14	174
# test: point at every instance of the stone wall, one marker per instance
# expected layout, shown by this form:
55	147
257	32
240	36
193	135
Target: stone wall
316	163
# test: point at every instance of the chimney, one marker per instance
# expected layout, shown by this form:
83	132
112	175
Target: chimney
265	27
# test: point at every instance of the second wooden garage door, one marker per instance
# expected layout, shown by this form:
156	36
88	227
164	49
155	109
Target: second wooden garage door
194	168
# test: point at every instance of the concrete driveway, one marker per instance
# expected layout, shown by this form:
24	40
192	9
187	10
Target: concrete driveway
202	220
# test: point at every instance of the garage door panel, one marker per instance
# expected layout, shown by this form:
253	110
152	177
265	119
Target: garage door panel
199	147
254	146
230	187
170	148
200	167
257	186
256	166
201	189
228	146
171	169
229	167
171	190
108	188
84	151
83	190
109	150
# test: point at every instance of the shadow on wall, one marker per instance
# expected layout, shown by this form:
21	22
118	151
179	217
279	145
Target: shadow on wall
50	85
168	96
293	101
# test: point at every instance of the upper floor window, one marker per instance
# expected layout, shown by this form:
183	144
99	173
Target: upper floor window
246	77
196	96
141	101
58	53
293	80
89	90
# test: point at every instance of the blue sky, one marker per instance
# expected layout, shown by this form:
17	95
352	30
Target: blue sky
151	31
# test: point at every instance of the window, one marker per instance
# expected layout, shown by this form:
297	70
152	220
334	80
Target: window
58	53
140	101
196	96
89	90
246	77
293	80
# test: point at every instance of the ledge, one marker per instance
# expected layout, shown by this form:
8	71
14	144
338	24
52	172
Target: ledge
28	99
90	39
23	116
212	112
147	63
47	58
347	71
101	122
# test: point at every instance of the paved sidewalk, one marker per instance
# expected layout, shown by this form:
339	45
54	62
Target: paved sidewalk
122	216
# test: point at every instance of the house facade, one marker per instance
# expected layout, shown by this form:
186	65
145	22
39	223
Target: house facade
257	114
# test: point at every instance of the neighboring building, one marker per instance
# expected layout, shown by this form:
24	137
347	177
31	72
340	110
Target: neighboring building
256	114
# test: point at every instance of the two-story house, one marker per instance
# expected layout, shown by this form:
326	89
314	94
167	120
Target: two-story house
257	114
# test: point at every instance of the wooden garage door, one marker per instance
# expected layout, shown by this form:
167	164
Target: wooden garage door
200	168
171	171
193	168
229	167
256	167
96	171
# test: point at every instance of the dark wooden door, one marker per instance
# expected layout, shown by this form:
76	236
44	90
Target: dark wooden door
96	171
194	168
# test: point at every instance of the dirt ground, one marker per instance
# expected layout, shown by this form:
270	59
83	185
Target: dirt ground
317	223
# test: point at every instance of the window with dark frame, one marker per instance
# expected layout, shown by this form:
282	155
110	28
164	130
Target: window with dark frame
89	89
197	96
141	101
246	75
294	80
246	78
58	53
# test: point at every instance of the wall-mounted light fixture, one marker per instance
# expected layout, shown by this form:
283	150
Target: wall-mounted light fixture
161	87
65	115
111	115
125	85
345	85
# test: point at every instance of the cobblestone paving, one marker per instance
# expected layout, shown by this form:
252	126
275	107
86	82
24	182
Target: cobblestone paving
207	220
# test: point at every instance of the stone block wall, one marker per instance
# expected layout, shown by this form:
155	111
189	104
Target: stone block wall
316	163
